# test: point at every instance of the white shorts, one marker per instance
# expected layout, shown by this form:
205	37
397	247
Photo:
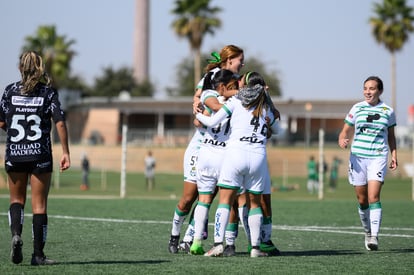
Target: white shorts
361	170
190	162
244	169
208	168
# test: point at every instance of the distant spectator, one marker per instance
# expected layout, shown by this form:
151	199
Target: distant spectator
333	176
313	176
85	172
149	171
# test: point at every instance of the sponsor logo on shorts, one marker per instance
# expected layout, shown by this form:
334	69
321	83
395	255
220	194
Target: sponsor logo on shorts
43	164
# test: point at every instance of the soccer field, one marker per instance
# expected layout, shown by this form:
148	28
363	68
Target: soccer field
97	233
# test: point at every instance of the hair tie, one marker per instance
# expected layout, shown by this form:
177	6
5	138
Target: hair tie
216	59
246	79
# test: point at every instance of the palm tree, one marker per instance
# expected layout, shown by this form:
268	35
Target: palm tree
55	50
392	27
194	20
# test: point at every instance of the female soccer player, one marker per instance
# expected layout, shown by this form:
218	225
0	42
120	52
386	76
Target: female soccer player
371	122
26	110
245	161
231	58
211	153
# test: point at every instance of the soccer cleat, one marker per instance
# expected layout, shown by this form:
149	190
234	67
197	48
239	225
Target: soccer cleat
367	239
197	248
270	248
185	246
173	244
373	243
41	260
229	251
215	251
16	254
255	253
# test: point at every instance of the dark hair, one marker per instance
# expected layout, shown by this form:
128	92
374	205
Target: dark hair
380	85
212	80
252	78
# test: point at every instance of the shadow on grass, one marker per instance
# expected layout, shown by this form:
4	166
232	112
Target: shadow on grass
110	262
404	250
320	253
311	253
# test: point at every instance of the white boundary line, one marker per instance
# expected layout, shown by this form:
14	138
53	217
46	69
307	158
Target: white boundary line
328	229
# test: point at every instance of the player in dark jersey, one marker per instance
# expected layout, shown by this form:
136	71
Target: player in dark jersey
26	110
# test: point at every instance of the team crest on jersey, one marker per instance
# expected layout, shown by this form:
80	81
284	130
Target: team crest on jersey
27	101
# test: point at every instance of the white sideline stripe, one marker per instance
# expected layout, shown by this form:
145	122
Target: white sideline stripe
328	229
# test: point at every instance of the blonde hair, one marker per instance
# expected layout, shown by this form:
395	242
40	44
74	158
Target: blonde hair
32	71
227	52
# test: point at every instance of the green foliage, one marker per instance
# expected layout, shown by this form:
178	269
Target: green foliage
194	20
393	23
270	76
112	82
56	51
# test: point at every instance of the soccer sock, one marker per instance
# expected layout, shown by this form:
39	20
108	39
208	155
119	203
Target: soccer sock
189	233
243	216
200	216
255	222
266	230
375	210
39	230
231	233
220	222
178	220
363	211
16	218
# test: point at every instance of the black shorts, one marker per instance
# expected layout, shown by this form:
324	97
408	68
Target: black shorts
31	167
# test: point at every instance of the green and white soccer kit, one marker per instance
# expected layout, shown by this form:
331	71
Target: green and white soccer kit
209	163
369	150
369	155
245	161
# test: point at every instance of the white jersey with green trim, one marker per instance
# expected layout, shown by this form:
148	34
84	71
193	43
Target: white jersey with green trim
219	134
371	125
247	132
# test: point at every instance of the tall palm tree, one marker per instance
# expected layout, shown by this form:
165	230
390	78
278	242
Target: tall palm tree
55	50
391	27
194	20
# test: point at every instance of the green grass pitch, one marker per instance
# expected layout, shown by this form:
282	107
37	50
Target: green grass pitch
96	232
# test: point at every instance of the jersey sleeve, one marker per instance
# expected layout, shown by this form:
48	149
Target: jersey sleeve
350	117
211	121
57	112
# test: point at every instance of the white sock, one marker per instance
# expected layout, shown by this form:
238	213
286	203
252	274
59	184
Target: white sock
189	233
220	222
178	221
266	230
255	223
375	218
243	216
200	217
231	233
364	216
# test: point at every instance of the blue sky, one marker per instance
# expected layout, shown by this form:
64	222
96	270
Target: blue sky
322	49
